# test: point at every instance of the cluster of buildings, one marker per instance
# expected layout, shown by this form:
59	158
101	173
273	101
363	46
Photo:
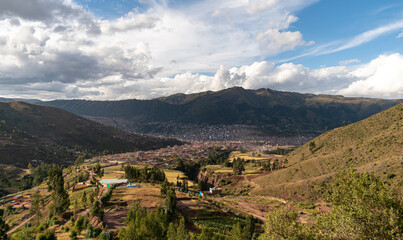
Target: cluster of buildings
222	132
164	157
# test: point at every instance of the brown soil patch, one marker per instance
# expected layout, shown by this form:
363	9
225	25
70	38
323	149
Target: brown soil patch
114	219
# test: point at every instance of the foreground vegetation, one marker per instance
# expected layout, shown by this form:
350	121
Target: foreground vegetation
363	207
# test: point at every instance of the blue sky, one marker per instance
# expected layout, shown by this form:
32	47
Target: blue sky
323	21
119	49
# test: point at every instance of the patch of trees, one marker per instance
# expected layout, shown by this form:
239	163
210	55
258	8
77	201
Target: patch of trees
170	202
37	175
47	235
191	169
363	208
83	176
278	151
144	224
84	154
238	165
105	198
182	186
3	229
4	176
154	175
98	170
268	165
60	198
37	204
96	210
217	157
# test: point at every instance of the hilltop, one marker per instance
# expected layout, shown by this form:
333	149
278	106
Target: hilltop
371	145
33	132
274	112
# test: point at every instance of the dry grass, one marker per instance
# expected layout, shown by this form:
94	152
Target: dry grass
248	156
372	145
173	174
148	195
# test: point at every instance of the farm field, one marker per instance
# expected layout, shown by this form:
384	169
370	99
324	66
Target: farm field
251	156
173	174
203	214
149	196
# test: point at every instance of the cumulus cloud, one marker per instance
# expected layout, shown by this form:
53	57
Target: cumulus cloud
33	9
382	77
379	78
279	41
56	49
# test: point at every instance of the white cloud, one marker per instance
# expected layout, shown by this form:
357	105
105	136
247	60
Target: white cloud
131	21
46	41
382	77
340	45
59	50
369	35
260	5
349	61
278	41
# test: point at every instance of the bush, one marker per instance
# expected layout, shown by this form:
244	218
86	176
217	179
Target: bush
48	235
96	210
92	232
104	199
81	223
73	235
105	235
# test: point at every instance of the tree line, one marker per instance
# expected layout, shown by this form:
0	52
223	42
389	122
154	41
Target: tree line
154	174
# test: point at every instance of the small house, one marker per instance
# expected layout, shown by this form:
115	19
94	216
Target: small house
113	182
214	191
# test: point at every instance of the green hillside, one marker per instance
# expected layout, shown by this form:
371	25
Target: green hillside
32	132
371	145
275	112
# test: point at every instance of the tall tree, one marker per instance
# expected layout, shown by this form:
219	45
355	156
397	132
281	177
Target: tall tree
37	204
98	170
170	201
60	197
3	229
84	198
238	165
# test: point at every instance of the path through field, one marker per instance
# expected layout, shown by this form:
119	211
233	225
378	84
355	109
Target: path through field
20	225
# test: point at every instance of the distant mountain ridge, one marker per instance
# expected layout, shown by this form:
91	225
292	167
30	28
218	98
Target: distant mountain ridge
275	112
33	132
33	101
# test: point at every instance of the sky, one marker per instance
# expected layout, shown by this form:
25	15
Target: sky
123	49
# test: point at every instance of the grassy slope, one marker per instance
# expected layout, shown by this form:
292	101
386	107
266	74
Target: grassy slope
30	131
373	145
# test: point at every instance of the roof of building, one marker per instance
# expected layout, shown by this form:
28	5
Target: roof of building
113	181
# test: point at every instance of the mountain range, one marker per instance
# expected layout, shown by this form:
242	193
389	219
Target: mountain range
274	112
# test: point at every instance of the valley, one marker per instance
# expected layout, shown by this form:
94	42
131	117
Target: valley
201	120
209	189
231	114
